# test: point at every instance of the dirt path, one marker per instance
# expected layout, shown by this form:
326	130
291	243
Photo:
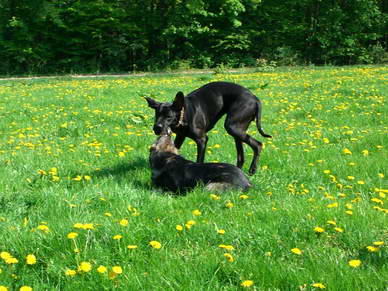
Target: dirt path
86	76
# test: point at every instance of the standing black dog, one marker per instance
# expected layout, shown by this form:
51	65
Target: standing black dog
174	173
197	113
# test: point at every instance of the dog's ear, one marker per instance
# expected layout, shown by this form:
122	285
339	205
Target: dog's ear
152	103
178	101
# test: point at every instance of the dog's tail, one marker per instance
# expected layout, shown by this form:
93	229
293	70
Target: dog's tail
258	119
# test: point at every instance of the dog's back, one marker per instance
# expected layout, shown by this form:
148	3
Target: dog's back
174	173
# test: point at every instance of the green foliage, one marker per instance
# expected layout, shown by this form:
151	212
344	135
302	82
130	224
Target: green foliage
44	36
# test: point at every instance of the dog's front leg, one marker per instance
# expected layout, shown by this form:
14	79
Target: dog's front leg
201	147
179	141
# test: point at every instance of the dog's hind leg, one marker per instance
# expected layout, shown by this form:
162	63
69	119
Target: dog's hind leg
237	128
240	152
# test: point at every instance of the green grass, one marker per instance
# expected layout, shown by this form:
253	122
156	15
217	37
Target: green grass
96	134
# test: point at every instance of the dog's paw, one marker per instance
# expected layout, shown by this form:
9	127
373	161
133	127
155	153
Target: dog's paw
252	171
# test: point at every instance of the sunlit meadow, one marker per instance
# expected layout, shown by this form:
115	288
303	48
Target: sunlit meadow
77	210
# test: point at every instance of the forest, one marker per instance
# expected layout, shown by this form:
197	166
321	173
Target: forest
84	36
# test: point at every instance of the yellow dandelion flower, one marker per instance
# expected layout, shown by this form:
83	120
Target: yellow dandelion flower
117	270
77	178
319	229
226	247
350	177
108	214
360	182
381	175
25	288
85	267
377	200
221	231
326	140
296	251
72	235
42	172
196	212
346	151
155	244
11	261
123	222
243	196
117	237
372	249
43	228
332	205
131	247
70	273
318	285
378	243
247	283
53	171
102	269
189	224
354	263
88	226
121	154
215	197
5	255
229	257
332	222
78	225
349	212
338	229
229	205
87	178
179	227
3	288
365	153
326	171
31	259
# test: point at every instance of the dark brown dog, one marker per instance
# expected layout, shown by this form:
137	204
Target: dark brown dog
197	113
174	173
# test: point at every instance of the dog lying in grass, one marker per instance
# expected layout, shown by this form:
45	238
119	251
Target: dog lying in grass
171	172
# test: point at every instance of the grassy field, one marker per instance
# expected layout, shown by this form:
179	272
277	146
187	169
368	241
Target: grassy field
77	210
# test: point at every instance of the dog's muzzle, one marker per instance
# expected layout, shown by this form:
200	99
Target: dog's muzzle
157	129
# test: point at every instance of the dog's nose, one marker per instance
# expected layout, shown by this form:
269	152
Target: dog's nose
158	129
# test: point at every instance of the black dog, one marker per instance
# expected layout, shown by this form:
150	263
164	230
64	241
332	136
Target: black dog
197	113
174	173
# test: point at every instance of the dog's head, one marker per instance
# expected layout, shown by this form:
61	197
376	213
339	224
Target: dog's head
167	114
164	144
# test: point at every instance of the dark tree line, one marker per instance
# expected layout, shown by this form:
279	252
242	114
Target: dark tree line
46	36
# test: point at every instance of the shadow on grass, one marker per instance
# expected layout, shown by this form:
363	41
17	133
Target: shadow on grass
134	172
